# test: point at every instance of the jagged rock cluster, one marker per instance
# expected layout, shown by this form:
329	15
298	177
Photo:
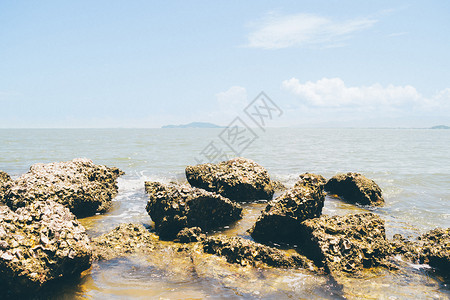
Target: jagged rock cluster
80	185
238	179
41	240
39	243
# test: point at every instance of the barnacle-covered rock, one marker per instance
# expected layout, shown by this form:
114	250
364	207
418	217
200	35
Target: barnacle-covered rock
238	179
246	252
355	188
5	179
434	249
431	248
79	184
278	186
311	180
281	219
189	235
404	247
40	243
345	243
174	207
123	240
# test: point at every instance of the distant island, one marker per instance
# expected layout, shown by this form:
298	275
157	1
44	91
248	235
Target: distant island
440	127
194	125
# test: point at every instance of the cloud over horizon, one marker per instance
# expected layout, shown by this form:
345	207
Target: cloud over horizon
333	93
299	30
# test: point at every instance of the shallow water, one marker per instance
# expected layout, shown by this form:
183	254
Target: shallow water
410	165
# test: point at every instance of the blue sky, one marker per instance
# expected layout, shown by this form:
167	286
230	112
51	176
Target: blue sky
147	63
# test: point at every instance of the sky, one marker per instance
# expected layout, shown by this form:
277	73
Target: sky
335	63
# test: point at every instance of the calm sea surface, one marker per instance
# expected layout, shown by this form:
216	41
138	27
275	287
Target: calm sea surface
412	167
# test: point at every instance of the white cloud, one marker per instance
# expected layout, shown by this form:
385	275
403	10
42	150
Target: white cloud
329	102
275	32
233	100
332	92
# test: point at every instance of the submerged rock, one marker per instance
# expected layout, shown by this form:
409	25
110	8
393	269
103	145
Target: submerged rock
246	252
345	243
435	249
355	188
238	179
79	184
123	240
189	235
174	207
281	219
40	243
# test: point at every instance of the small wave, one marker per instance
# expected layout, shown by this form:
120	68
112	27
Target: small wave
412	265
135	181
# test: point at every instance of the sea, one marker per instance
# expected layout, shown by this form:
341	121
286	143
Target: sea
412	167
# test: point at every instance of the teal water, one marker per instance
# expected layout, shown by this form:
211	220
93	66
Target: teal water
412	167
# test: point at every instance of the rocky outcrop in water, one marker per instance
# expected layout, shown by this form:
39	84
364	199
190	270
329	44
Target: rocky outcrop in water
5	179
281	219
238	179
435	249
345	243
40	243
311	180
432	248
123	240
174	207
80	185
355	188
404	247
245	252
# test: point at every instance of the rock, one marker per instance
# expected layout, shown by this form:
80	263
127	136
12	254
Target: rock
174	207
5	180
40	243
246	252
80	185
311	180
355	188
238	179
189	235
281	219
435	249
404	247
278	186
123	240
4	177
345	244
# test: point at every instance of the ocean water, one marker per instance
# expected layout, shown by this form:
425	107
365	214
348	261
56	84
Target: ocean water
412	167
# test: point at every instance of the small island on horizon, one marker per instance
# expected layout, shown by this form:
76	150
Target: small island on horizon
440	127
194	125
